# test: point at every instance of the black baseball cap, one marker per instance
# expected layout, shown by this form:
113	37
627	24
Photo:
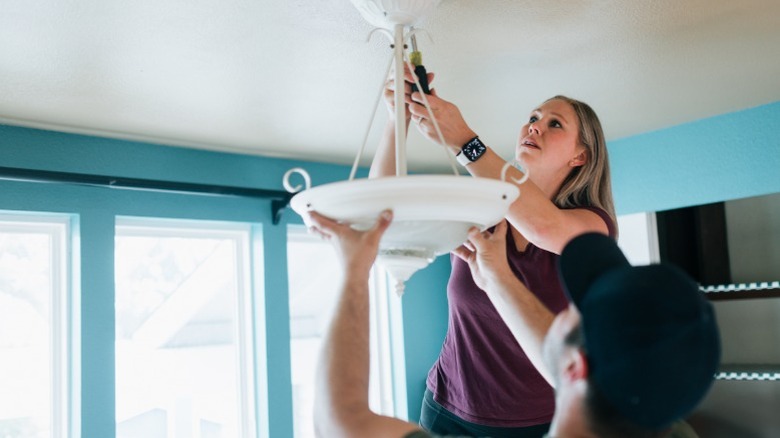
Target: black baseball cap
651	339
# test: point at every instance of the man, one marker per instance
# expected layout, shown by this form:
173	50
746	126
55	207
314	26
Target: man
635	351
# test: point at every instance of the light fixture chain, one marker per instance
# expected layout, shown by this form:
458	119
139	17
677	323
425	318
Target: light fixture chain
371	120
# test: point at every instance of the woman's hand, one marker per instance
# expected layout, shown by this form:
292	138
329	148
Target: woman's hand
451	123
389	93
485	253
527	318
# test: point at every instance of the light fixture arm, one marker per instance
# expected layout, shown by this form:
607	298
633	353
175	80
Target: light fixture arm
514	163
400	129
359	155
400	105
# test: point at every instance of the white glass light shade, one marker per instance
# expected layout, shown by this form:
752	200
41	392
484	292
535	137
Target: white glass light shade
387	13
431	213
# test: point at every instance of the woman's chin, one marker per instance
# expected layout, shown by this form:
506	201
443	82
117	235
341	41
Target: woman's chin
524	155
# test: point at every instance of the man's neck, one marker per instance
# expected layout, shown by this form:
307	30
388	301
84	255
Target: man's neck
569	420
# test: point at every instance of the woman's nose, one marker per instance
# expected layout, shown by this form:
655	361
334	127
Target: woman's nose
532	128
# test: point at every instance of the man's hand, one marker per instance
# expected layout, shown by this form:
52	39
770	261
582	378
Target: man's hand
485	252
357	250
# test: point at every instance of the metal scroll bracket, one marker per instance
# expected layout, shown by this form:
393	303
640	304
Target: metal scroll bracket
278	206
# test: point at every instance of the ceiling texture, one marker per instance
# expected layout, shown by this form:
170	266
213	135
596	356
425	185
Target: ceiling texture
300	78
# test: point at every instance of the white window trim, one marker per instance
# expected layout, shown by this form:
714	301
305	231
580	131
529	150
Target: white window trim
65	315
639	237
258	315
388	346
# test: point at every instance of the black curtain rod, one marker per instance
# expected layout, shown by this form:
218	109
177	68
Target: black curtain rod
279	198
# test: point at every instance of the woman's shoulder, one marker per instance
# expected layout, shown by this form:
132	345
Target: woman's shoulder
611	226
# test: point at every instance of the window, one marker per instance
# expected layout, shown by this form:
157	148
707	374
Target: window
639	238
314	281
183	330
35	307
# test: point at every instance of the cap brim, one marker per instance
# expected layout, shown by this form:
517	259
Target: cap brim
584	259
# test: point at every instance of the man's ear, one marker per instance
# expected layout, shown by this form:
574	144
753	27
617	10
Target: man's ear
576	366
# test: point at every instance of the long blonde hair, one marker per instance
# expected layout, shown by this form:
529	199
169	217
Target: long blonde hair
588	185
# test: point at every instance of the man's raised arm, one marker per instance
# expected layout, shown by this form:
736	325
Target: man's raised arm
341	401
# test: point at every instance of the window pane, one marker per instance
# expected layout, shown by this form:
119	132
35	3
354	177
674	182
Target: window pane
313	283
32	345
182	325
639	238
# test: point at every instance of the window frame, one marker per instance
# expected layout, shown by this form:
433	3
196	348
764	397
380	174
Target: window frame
251	385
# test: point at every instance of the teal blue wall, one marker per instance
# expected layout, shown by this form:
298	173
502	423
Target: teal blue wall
731	156
726	157
425	324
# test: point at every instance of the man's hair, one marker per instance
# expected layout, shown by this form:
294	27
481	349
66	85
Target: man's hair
601	416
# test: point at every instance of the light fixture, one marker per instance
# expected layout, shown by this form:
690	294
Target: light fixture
431	213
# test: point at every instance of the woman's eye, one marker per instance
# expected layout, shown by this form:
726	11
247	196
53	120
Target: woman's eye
555	124
532	119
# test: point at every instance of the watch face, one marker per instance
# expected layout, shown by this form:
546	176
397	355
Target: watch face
474	149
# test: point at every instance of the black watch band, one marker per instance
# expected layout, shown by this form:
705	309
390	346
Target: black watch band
471	151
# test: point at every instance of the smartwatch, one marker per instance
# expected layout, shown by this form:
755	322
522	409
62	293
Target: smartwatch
471	151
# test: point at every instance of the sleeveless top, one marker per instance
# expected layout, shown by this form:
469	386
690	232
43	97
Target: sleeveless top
482	374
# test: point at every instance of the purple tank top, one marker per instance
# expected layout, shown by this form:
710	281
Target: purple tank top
482	375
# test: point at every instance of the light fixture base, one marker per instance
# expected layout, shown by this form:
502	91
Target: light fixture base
400	264
388	13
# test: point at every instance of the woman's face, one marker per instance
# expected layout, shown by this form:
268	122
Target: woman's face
549	141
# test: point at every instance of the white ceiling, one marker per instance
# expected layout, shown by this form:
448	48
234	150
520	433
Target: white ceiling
297	78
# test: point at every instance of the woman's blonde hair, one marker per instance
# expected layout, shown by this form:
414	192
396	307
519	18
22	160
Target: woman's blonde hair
588	185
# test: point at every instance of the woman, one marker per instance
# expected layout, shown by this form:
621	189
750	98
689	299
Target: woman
483	383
